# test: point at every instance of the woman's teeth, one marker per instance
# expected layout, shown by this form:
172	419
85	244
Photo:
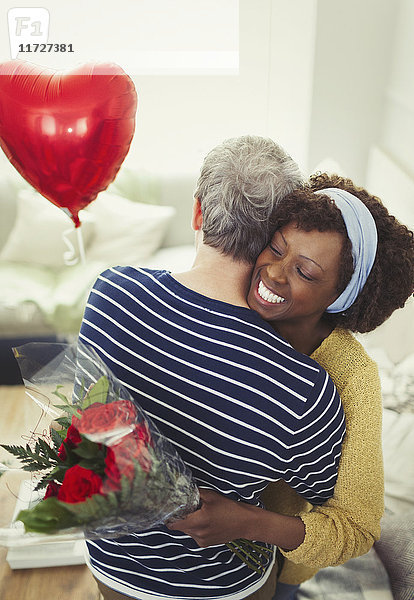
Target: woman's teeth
269	296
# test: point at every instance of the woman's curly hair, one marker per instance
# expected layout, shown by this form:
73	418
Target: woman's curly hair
391	281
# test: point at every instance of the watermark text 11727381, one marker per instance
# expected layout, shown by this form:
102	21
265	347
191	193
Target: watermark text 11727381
46	48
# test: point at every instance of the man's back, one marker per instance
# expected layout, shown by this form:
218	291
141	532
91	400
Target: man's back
239	404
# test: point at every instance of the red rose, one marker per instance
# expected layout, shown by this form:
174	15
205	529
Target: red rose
132	449
72	439
79	484
100	417
113	476
51	490
62	452
142	432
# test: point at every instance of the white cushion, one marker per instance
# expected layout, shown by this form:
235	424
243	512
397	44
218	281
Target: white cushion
26	291
404	384
38	233
362	578
396	550
126	232
8	209
398	449
397	380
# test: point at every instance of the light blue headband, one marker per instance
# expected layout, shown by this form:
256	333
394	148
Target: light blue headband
362	232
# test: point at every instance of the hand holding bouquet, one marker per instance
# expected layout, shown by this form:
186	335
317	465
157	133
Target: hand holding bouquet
106	469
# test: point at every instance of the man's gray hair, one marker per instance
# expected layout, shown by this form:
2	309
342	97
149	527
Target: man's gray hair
241	183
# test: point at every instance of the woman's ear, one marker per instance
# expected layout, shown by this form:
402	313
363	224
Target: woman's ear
197	217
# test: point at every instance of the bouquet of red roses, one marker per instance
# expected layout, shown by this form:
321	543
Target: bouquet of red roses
105	466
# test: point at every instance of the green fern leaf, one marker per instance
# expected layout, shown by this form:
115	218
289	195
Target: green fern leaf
47	451
32	460
57	437
43	482
65	422
93	508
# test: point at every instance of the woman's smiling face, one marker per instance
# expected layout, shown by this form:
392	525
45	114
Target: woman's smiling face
296	275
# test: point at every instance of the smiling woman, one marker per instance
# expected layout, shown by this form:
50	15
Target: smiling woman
337	262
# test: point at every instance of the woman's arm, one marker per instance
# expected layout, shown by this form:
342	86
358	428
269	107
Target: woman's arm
221	520
347	525
343	527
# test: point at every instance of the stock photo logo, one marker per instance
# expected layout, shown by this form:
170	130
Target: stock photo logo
28	27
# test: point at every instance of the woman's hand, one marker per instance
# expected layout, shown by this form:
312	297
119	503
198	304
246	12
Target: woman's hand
221	520
218	521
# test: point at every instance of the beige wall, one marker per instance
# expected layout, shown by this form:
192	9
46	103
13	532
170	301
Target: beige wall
397	132
354	45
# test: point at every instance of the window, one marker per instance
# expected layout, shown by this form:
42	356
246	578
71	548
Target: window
145	37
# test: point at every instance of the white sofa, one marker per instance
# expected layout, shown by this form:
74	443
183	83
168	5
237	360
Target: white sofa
45	283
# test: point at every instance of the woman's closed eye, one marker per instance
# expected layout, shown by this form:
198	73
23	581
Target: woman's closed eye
279	253
275	250
302	274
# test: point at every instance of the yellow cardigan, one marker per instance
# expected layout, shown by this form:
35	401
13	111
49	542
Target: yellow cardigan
347	525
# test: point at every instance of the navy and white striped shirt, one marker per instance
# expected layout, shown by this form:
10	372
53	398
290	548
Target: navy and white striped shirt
239	404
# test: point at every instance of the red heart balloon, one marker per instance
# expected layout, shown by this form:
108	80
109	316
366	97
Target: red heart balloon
66	133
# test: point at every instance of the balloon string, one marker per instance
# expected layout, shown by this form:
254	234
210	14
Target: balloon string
71	257
81	246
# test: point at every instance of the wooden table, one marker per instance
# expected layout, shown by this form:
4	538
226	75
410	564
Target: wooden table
18	416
